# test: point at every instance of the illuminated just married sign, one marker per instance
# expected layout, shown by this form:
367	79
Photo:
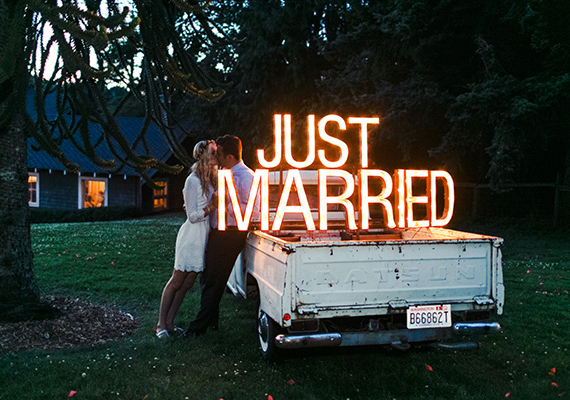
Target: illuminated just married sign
398	212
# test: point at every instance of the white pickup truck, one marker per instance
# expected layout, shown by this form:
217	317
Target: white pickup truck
376	287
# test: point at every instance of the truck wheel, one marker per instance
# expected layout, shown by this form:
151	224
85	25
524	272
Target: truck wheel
267	329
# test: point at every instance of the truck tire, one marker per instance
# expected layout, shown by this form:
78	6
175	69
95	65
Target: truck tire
267	329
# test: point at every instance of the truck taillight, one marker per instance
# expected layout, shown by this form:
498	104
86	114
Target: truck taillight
286	317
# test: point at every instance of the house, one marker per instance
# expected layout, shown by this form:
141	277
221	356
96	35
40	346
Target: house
52	186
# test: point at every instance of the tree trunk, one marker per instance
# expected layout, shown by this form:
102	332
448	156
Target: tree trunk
19	294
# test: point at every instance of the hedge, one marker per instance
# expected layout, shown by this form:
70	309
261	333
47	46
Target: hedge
50	215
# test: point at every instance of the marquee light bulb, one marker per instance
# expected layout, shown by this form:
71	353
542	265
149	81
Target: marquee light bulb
363	136
293	178
411	199
225	178
288	145
334	141
277	148
343	199
382	198
449	198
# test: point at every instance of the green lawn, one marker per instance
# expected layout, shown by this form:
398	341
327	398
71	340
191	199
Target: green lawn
126	264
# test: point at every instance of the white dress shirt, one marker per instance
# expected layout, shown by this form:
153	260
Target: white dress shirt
243	179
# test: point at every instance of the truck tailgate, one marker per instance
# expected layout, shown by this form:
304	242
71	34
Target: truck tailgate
364	274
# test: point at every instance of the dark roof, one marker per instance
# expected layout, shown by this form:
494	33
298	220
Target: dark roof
129	126
50	106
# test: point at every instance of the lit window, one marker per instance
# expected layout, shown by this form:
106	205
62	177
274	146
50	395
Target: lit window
160	195
33	189
93	192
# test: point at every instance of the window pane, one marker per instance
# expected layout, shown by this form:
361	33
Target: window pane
160	203
33	189
93	193
160	195
162	191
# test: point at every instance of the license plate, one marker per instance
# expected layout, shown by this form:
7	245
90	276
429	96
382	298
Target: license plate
429	317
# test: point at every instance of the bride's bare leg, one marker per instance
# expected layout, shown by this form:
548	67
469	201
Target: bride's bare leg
173	285
178	298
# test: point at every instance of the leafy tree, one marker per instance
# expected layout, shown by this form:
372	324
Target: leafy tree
477	88
93	44
276	69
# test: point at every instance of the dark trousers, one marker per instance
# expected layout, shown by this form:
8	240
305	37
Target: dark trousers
221	252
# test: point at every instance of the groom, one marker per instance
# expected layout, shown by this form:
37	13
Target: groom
223	246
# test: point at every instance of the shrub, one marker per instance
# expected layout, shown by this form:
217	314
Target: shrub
49	215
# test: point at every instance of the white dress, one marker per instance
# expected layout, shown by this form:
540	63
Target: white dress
193	234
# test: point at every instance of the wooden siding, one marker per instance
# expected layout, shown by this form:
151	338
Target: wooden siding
58	190
124	192
61	191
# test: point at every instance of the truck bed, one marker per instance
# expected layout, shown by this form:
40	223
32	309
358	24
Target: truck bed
379	287
340	273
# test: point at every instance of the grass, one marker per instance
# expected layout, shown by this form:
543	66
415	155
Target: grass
126	263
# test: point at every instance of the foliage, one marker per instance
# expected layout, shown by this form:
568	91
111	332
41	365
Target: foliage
461	86
126	263
49	215
278	66
76	49
475	88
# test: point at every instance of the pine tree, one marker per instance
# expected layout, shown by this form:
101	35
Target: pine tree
152	50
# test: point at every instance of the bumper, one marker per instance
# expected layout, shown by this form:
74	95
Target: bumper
394	338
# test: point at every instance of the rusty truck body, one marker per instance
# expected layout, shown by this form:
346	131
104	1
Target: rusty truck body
377	287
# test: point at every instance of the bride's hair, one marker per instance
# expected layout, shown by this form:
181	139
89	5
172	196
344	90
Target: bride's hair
205	172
